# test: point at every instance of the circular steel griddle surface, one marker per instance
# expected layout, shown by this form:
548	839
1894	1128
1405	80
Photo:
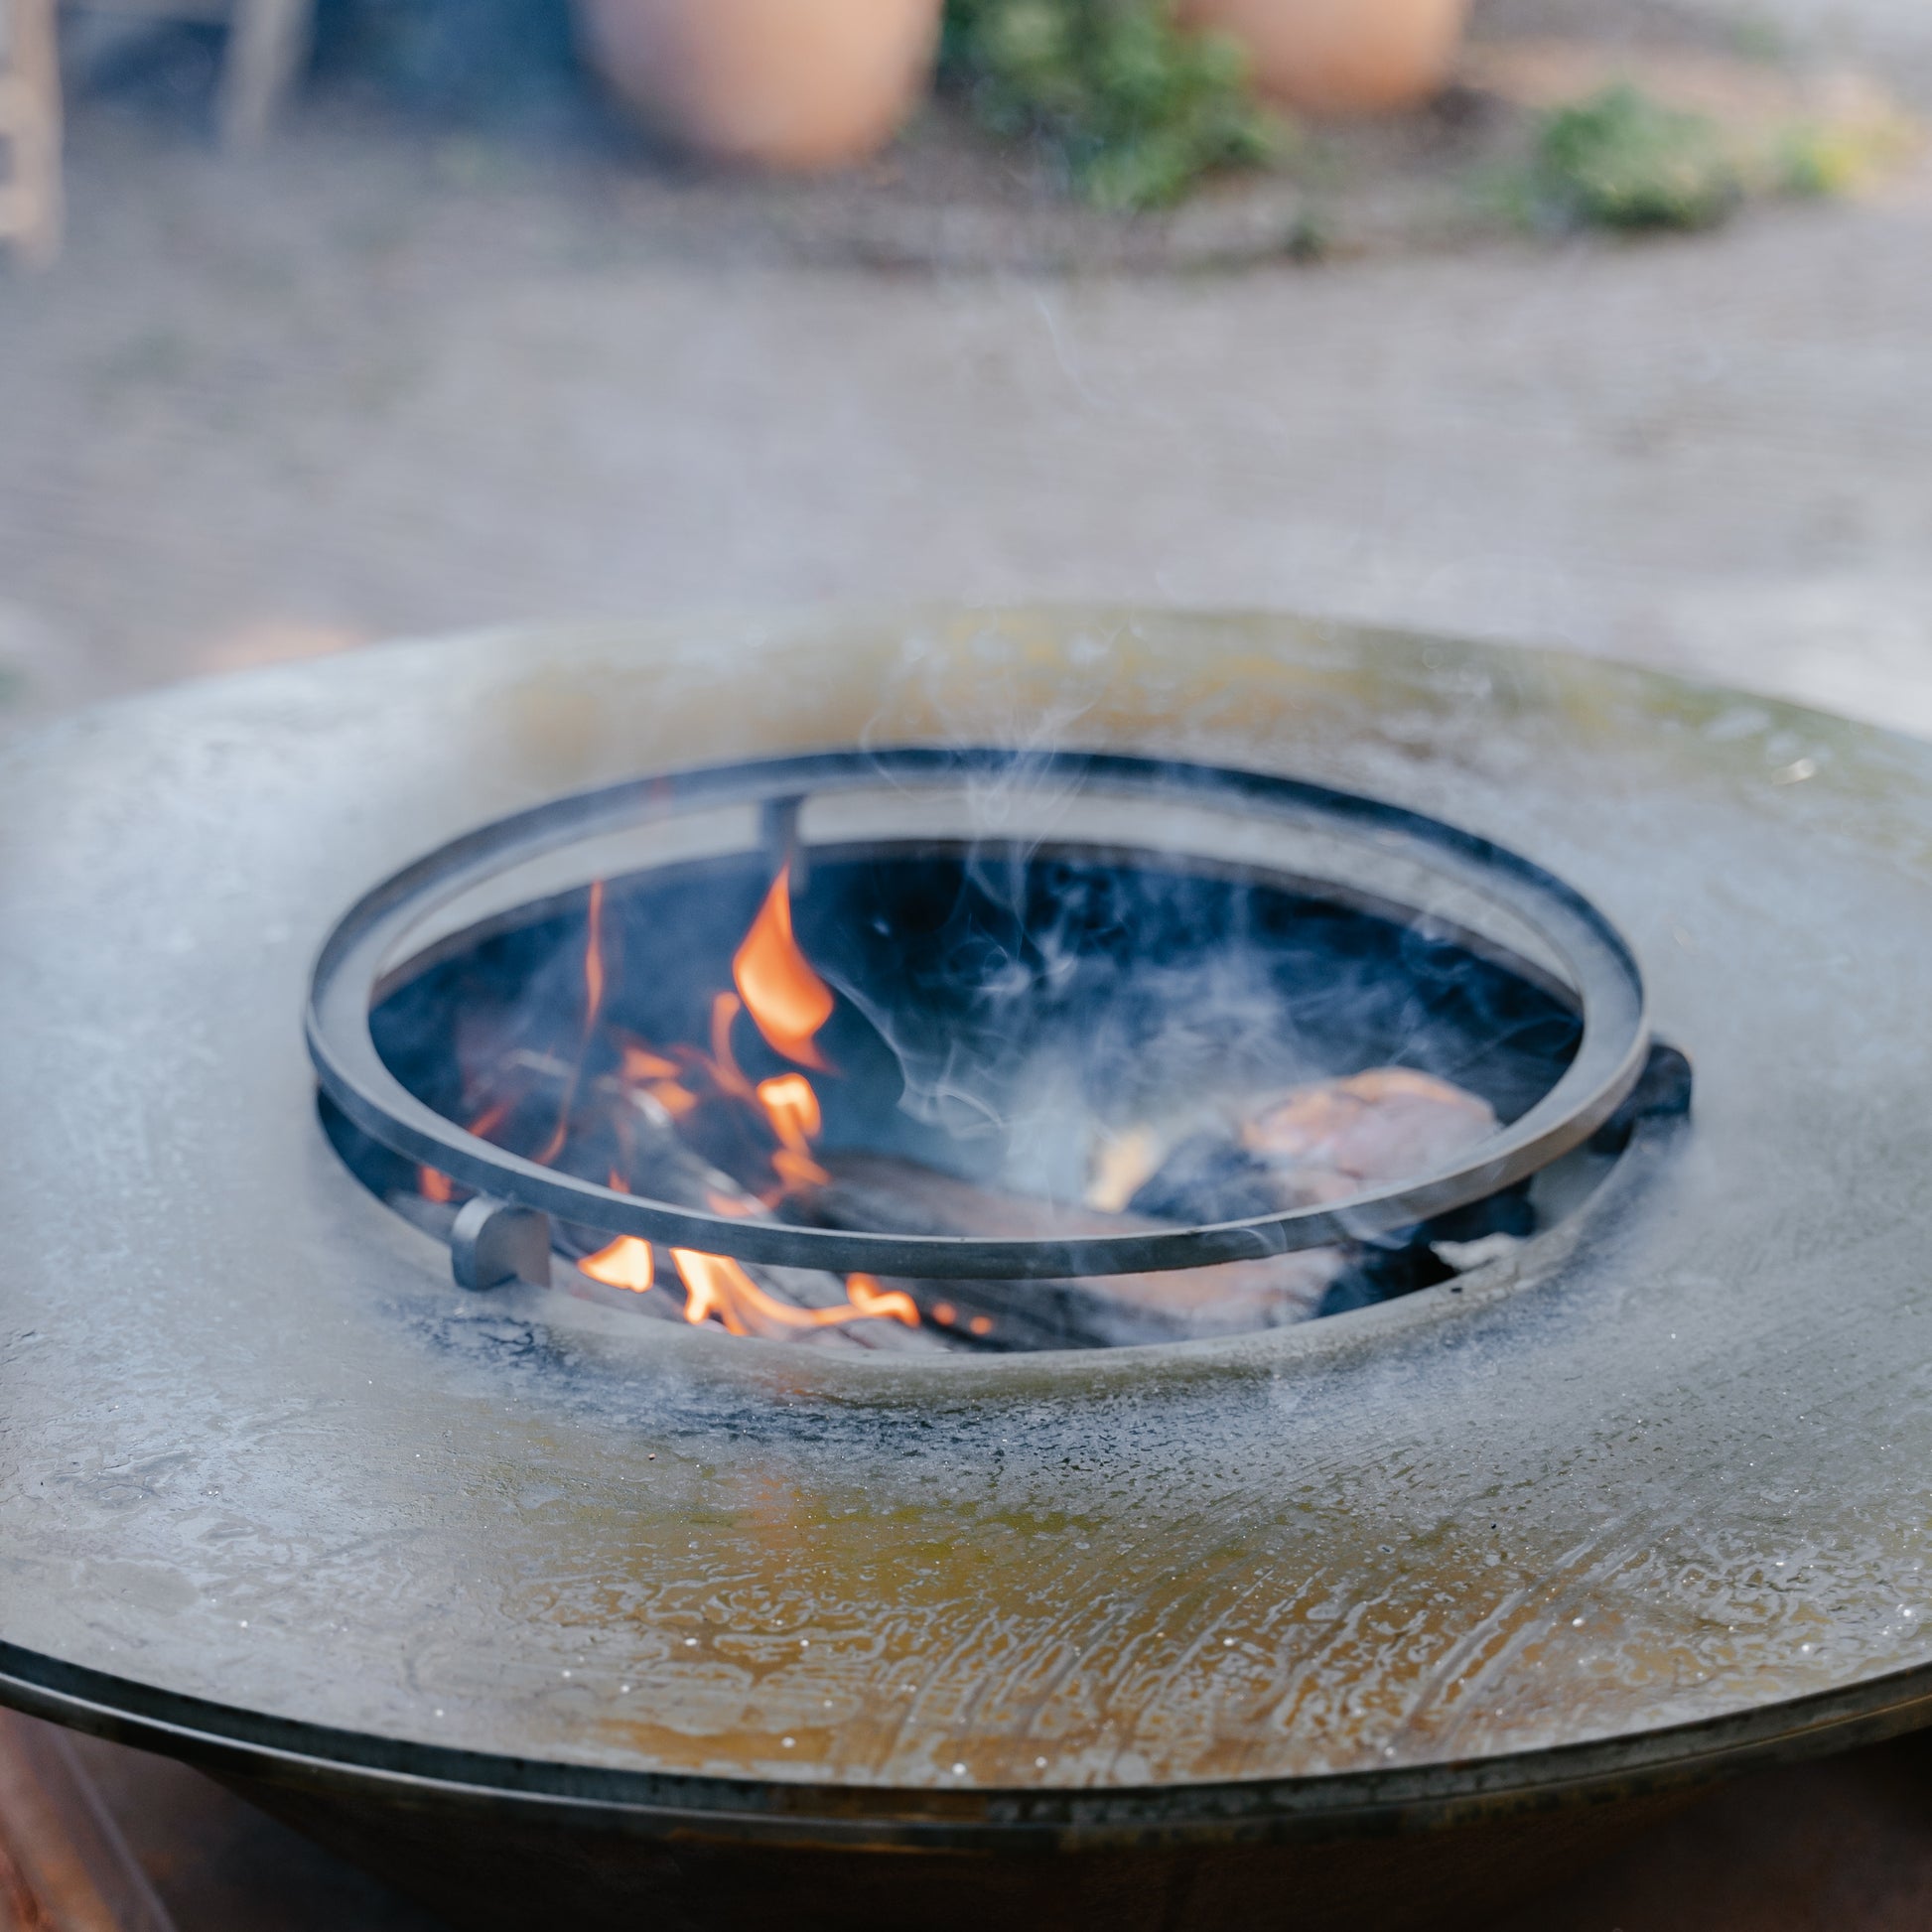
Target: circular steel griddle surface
266	1478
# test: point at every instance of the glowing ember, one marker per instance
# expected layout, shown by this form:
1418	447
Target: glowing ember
787	1000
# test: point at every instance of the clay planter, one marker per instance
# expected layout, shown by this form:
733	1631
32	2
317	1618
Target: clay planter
1342	57
783	84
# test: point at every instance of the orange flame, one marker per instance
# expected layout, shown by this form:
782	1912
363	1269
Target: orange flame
594	959
628	1262
716	1287
866	1293
676	1101
792	1107
593	1006
640	1065
724	1065
786	1000
625	1263
434	1184
662	1079
790	1004
797	1170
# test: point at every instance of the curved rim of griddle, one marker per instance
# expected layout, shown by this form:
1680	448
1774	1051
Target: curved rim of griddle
227	1738
1603	970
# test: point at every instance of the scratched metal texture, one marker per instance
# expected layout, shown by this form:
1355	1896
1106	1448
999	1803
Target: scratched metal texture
1658	1488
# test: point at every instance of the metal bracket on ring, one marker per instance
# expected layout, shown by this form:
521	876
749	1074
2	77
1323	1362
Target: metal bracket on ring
493	1243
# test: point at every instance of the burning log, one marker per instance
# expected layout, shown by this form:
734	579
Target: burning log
804	1304
797	1305
692	1127
888	1194
1319	1142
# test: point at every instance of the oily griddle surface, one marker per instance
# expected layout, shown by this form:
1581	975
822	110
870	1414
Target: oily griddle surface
265	1474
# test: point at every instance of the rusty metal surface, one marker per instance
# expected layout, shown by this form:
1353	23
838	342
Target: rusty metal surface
65	1863
102	1839
1845	1845
1651	1495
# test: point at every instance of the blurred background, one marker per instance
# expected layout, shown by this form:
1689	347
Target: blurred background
1596	323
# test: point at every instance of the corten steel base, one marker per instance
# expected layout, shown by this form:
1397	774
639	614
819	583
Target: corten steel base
1437	1881
603	1616
104	1839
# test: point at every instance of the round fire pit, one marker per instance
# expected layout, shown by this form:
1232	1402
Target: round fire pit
344	1458
991	965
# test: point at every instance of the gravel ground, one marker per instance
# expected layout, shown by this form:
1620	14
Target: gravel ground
379	382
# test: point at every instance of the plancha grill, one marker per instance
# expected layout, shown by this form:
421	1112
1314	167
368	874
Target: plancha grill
546	1609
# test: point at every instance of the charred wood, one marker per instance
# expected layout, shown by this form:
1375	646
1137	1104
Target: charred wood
887	1194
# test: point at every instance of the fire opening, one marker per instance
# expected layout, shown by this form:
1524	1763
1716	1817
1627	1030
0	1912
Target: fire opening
1021	1042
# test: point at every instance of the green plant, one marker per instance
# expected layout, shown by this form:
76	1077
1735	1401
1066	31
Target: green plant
1823	157
1135	107
1621	158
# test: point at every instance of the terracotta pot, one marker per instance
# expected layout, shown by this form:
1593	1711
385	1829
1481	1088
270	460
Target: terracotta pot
786	84
1342	57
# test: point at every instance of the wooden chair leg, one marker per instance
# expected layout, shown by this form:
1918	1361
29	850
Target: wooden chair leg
34	199
266	46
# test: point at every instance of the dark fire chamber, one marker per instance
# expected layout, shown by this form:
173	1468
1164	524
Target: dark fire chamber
999	1091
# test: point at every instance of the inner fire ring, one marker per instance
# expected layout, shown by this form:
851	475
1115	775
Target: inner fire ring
1417	874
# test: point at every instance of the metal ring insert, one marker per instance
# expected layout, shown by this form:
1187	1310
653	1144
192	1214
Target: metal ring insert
1594	968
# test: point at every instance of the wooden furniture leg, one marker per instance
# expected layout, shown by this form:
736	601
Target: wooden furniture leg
29	129
267	41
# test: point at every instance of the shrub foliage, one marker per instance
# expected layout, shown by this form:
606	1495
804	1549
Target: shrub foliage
1133	107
